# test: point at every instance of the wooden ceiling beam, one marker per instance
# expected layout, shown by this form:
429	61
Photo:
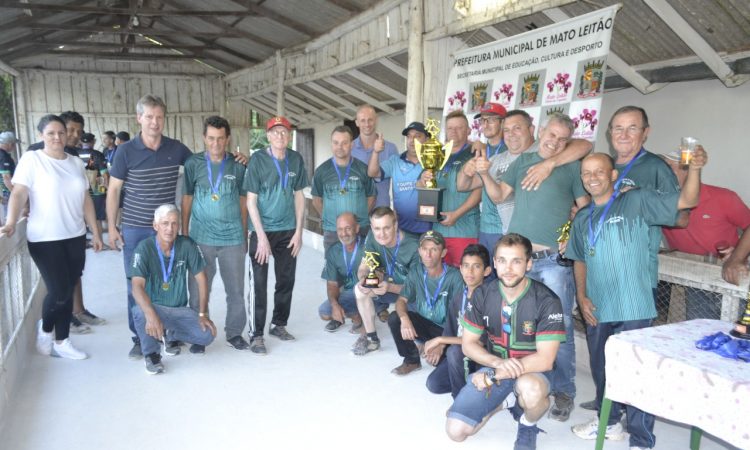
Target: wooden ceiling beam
288	22
212	42
149	12
350	7
231	32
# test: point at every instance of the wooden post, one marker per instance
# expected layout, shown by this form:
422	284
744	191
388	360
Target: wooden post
415	106
281	67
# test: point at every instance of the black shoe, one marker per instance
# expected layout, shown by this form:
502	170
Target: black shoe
333	325
562	407
153	364
280	332
238	343
172	348
197	349
135	352
590	405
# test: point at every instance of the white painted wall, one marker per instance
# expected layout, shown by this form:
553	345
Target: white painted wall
707	110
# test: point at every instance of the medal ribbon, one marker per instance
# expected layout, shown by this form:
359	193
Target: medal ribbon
463	301
594	236
431	299
388	266
342	183
285	178
492	152
215	186
165	271
349	263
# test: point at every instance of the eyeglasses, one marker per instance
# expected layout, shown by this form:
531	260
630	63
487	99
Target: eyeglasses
632	129
280	132
507	311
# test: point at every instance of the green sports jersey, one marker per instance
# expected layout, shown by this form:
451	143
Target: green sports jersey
215	219
336	269
436	308
538	214
351	197
616	281
651	172
406	259
467	226
275	200
188	259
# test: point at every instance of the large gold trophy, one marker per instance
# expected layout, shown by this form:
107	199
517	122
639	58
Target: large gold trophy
433	156
372	280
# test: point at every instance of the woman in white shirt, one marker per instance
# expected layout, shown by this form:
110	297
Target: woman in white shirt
55	185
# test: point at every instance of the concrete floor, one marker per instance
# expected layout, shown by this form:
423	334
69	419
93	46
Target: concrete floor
312	393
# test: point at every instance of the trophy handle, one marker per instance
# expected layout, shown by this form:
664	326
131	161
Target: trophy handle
418	148
447	148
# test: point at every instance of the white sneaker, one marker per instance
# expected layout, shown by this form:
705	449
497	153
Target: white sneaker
66	350
589	430
43	340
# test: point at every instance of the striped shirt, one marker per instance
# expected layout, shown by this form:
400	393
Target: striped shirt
617	279
150	177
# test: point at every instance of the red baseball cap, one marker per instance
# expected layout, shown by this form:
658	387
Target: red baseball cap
492	108
278	121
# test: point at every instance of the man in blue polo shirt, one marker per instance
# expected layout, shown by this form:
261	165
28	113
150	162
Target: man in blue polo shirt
405	171
370	140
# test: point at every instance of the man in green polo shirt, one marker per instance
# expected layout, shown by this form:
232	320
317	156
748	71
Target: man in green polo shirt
214	214
159	276
394	254
274	181
341	184
610	246
423	304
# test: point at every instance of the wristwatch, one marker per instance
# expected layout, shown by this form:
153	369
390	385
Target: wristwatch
490	374
205	314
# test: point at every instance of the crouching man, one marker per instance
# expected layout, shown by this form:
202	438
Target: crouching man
523	321
159	278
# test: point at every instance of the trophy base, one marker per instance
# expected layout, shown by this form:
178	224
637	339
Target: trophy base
371	282
740	331
429	204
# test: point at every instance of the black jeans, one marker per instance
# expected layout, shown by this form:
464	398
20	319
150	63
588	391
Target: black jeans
60	264
285	267
640	423
425	329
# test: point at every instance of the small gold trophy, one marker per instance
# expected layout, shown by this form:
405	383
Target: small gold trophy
742	326
371	280
432	156
564	231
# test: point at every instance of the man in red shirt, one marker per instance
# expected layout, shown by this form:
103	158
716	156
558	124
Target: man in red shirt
712	229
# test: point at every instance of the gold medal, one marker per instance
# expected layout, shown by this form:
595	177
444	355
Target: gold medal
390	279
214	197
342	191
102	189
591	251
165	286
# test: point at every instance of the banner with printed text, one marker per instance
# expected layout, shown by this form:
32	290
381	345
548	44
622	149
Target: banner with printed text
558	68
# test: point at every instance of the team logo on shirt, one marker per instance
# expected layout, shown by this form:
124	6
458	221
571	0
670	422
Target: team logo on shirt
230	177
292	174
528	327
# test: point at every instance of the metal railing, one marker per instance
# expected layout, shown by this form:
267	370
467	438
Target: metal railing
18	279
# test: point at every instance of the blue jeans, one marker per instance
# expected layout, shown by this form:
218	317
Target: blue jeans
182	323
450	373
640	423
132	237
232	270
560	280
346	300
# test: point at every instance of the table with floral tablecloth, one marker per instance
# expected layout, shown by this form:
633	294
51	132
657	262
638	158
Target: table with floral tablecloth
660	371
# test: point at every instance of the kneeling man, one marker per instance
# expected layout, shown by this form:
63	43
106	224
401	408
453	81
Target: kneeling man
160	266
523	320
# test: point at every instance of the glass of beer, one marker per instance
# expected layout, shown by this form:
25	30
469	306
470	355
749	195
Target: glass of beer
687	147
